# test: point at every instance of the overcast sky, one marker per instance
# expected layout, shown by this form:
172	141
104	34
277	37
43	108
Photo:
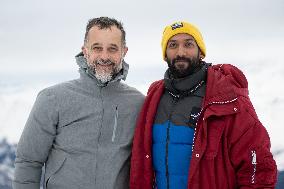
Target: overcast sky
42	37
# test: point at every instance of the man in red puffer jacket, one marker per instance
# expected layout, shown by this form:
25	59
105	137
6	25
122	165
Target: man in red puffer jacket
198	128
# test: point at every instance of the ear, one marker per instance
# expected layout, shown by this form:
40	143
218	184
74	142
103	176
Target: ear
201	55
85	51
125	50
166	57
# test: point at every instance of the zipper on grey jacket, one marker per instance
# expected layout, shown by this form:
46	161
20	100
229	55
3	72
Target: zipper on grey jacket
115	124
253	162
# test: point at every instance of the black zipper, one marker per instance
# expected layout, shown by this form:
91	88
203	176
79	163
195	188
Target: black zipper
168	140
176	98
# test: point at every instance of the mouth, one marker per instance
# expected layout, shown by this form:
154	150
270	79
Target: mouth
181	62
104	63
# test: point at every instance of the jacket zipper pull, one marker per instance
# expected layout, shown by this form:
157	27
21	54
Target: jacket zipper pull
253	162
115	124
253	154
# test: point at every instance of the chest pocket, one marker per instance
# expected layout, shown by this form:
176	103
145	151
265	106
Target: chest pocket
214	133
123	125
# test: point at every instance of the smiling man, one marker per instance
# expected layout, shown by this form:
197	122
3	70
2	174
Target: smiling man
104	47
81	131
197	128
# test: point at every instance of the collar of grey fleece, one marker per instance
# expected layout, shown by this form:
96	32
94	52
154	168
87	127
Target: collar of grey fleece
84	69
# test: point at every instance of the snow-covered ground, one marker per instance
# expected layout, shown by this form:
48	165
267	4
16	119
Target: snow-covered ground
15	107
7	157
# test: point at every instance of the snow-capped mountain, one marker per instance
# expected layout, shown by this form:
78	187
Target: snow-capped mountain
280	183
7	158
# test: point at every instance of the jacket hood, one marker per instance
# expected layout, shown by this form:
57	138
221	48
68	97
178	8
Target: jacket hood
225	82
84	69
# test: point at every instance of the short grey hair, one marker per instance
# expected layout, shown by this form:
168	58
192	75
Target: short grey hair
105	23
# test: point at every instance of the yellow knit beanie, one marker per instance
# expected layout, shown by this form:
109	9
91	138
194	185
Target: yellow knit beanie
182	27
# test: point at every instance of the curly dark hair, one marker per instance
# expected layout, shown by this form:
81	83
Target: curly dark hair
105	23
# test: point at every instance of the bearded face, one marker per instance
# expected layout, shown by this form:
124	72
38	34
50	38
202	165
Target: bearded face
104	52
182	55
105	69
182	66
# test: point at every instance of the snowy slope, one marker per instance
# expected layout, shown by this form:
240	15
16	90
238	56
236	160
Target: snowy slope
16	104
7	157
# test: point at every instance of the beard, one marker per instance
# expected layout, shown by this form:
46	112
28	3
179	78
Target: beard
105	70
181	70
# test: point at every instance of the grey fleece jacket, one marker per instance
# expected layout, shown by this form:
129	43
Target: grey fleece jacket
81	132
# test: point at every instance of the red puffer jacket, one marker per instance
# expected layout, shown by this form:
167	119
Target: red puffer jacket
231	149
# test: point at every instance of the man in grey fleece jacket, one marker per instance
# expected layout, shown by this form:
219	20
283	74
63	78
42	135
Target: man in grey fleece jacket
81	131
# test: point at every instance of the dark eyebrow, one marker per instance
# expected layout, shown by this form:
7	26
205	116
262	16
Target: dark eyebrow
114	45
172	40
95	44
189	39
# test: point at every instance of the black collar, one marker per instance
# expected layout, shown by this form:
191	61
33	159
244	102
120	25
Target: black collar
186	86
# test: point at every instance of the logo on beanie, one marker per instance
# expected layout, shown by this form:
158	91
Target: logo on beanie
177	25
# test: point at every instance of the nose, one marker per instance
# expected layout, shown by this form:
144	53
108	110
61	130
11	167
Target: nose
104	55
181	51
